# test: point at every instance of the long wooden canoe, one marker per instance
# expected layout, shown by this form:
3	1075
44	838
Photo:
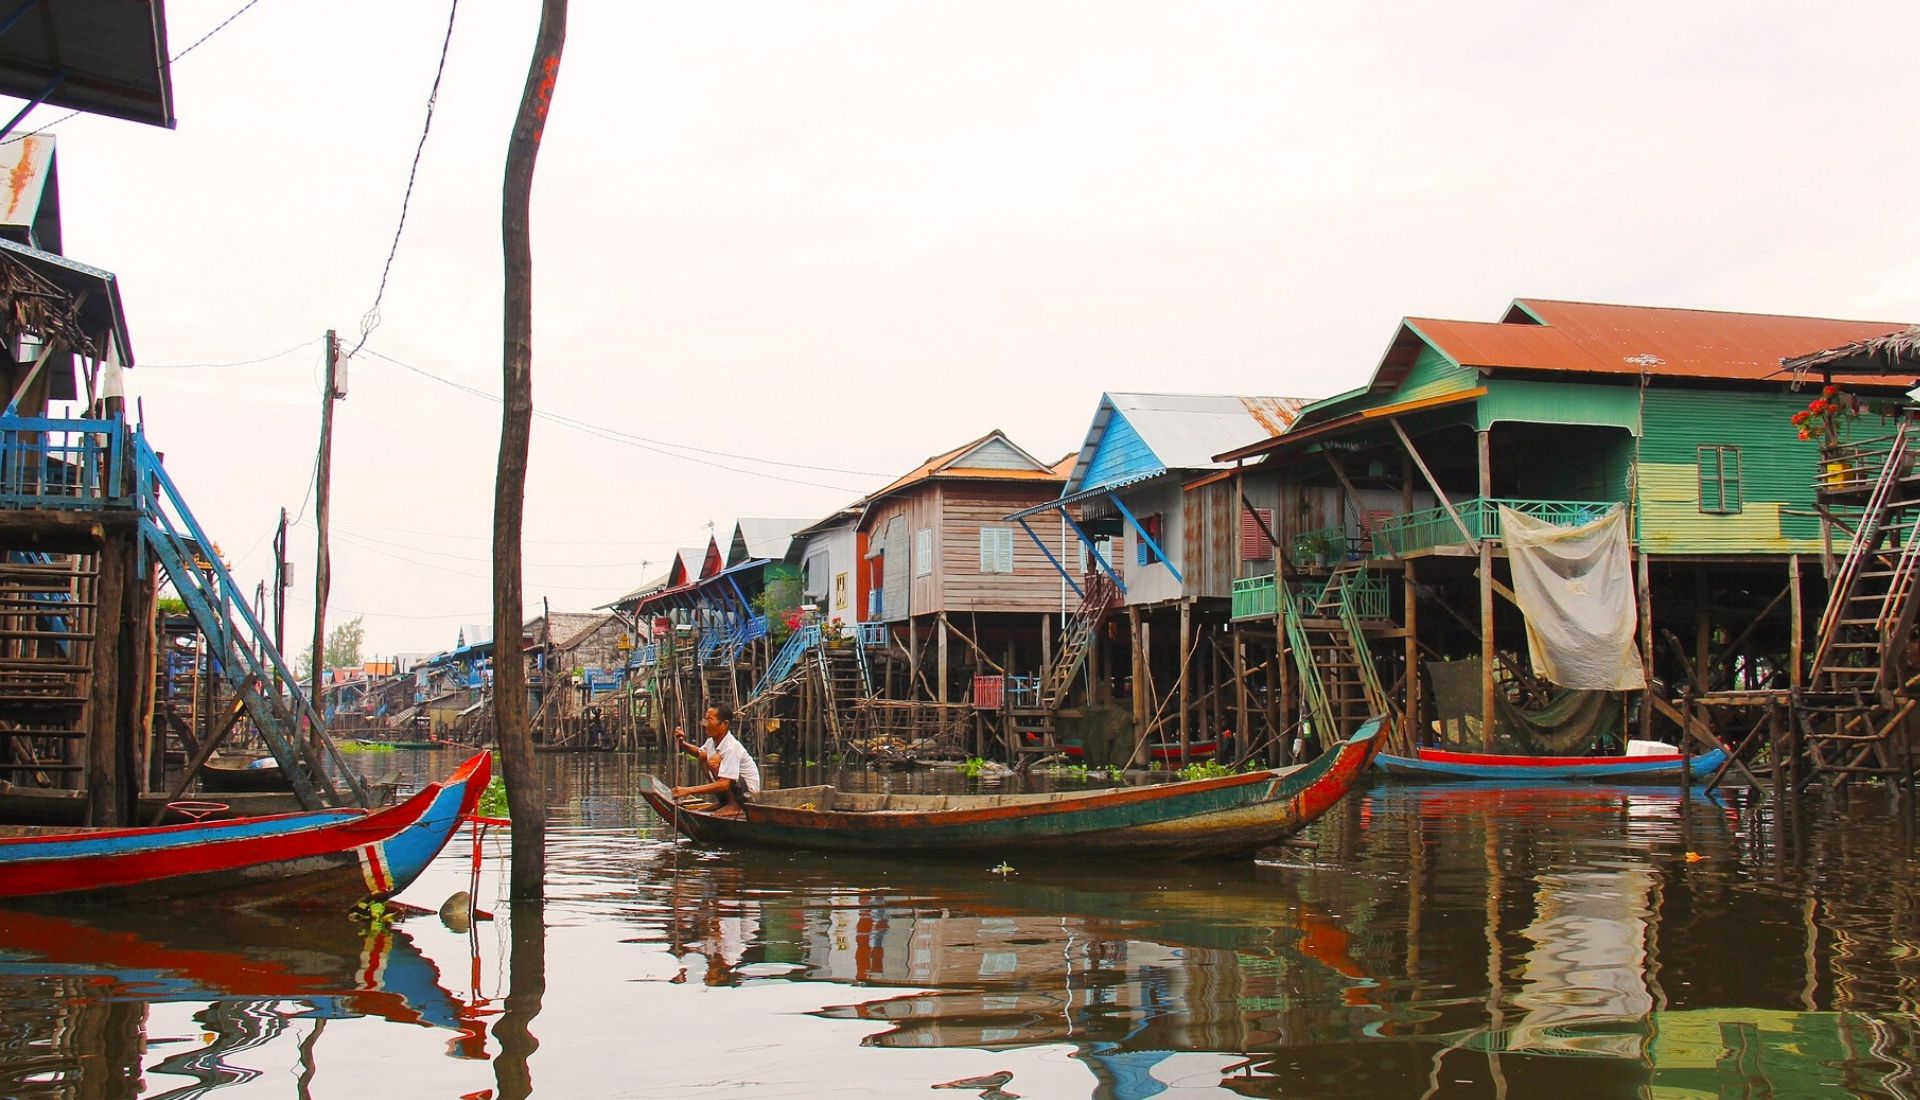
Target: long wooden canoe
1443	764
1232	816
317	858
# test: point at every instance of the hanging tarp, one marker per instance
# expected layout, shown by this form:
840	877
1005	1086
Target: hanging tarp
1575	587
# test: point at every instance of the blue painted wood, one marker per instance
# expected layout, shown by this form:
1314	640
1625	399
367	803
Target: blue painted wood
1120	454
1093	551
1051	560
1626	769
1140	532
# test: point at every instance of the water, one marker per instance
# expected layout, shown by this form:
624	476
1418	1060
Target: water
1441	941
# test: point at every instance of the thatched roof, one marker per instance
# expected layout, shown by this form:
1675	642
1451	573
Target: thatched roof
1894	353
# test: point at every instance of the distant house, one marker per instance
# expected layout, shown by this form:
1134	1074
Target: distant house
938	554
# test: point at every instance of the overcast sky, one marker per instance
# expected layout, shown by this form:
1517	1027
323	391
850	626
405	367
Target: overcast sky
847	236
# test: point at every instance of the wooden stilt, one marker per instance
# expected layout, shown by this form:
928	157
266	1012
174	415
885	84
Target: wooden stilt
940	627
105	793
1797	643
1487	651
1415	725
1185	687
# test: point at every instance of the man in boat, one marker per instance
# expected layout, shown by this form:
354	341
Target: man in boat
735	778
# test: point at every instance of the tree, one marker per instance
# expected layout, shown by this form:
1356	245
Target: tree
343	649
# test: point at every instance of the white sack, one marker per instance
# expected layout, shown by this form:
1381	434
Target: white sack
1575	586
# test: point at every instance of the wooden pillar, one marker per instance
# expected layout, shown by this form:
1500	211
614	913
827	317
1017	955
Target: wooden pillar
136	685
1046	643
1240	730
1702	626
1137	643
1284	683
104	783
940	625
1644	597
1487	716
913	659
1186	642
1416	726
1797	644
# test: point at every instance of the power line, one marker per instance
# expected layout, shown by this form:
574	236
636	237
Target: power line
236	363
197	43
529	542
660	447
371	320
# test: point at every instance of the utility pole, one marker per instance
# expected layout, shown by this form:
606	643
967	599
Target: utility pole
280	583
322	570
526	797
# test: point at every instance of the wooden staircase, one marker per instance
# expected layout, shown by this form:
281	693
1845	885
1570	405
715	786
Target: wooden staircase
46	657
1329	647
1860	692
1030	729
843	685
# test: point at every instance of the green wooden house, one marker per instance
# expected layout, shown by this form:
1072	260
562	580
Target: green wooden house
1561	410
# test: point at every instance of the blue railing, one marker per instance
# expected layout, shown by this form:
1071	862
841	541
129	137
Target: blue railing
252	667
70	464
798	643
644	656
746	632
715	639
871	634
1023	691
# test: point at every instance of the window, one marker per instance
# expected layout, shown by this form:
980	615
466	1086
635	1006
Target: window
1720	480
1254	526
923	552
1142	552
996	549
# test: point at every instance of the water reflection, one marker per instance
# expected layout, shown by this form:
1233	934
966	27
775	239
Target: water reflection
77	986
1442	941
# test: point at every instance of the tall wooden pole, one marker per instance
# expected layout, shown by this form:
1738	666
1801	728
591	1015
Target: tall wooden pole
322	567
1487	652
280	592
526	797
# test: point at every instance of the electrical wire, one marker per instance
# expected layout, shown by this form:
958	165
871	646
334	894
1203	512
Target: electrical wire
371	319
197	43
236	363
660	447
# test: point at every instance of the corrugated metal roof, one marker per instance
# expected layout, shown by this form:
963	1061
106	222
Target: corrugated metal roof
946	464
105	57
101	315
762	538
1185	430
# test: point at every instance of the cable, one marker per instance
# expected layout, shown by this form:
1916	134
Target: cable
524	542
197	43
645	443
237	363
371	320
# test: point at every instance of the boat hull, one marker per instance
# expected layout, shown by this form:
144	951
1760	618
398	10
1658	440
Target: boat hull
1225	818
1440	764
315	859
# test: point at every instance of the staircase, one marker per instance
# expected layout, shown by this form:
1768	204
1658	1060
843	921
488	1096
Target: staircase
1100	597
1337	674
716	685
244	655
843	684
1856	704
46	649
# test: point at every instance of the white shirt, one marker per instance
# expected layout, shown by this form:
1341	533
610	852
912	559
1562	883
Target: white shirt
736	764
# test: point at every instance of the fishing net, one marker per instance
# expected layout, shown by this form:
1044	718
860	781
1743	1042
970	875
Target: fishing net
1573	722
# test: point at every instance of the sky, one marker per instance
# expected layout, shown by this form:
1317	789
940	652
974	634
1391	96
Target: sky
784	252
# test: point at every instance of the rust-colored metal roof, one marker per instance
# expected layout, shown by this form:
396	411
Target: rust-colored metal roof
939	466
1674	343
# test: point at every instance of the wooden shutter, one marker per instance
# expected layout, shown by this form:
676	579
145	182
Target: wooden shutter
1151	526
996	549
1254	526
1005	550
923	552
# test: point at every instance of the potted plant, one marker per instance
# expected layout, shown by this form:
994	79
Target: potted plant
1315	547
1822	422
834	633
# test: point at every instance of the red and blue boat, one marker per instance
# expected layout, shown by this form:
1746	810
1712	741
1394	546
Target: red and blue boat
319	859
1428	763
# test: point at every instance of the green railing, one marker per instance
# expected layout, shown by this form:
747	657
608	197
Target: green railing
1433	527
1321	546
1255	597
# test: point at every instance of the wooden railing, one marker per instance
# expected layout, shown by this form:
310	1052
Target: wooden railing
1431	527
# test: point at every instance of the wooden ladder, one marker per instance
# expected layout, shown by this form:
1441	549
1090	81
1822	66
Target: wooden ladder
47	604
1100	597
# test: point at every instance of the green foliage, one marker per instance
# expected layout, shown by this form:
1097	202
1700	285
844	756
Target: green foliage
1069	771
1204	769
973	768
493	800
778	601
351	747
171	605
343	649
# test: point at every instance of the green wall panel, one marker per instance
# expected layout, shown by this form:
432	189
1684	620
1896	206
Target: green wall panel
1777	473
1560	403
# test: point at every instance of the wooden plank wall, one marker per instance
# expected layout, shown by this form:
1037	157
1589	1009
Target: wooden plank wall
959	585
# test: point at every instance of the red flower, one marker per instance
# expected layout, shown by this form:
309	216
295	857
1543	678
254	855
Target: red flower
1805	435
1830	391
1801	417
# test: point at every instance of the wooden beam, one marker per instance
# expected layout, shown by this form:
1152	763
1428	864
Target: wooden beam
104	781
1434	484
205	752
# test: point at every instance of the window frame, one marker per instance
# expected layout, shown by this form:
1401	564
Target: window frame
1713	470
999	553
923	552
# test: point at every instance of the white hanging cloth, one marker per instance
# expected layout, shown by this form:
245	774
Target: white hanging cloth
1575	587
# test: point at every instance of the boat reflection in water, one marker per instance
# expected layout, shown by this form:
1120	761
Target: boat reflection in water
77	988
1470	940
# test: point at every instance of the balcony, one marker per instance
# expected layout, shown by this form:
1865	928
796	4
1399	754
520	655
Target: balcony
64	464
1433	527
1255	597
1853	467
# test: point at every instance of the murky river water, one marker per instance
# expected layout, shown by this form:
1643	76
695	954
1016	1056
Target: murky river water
1441	941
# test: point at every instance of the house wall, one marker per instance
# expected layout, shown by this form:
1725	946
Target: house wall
830	564
1777	473
1153	582
967	508
1209	552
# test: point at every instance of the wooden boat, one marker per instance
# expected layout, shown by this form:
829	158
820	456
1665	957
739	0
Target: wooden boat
243	773
1445	764
318	858
1232	816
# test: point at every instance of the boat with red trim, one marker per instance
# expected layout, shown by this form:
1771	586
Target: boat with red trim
1428	763
1228	817
320	858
